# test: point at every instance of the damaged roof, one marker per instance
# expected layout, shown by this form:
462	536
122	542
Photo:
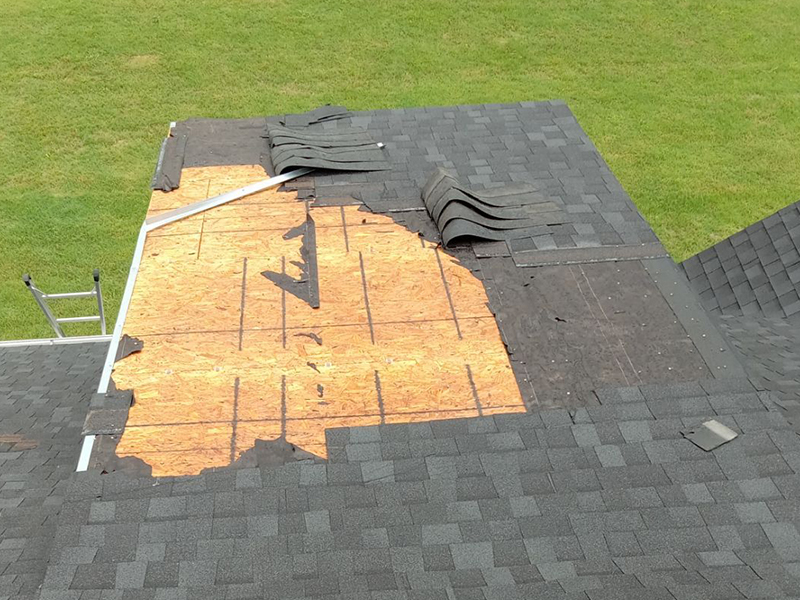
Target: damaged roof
516	430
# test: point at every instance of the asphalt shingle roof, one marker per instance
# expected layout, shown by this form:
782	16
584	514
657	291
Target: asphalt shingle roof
750	282
770	347
44	396
755	272
602	502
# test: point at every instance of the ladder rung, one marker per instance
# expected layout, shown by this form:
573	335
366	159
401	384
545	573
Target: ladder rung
90	294
42	300
78	319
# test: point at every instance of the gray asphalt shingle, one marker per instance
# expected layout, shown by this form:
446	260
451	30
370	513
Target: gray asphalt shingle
751	273
603	501
45	392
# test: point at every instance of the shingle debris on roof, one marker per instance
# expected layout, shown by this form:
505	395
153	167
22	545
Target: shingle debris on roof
709	435
497	214
351	149
167	175
313	117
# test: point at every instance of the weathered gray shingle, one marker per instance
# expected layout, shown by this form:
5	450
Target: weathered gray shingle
45	392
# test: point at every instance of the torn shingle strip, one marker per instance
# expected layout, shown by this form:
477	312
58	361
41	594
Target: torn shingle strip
459	230
351	149
496	214
318	115
167	176
128	345
305	288
567	256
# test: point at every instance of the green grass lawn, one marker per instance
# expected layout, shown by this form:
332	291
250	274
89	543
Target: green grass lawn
695	104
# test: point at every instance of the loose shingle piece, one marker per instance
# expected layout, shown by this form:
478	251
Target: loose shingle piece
167	176
343	149
710	435
495	214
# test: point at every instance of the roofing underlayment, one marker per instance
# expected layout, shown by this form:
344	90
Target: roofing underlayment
328	402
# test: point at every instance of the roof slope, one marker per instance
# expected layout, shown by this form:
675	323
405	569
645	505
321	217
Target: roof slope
770	348
598	503
390	299
601	498
755	272
751	281
44	395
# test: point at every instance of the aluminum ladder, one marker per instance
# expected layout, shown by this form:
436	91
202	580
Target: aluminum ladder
42	300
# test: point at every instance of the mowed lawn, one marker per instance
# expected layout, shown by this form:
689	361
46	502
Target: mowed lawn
695	105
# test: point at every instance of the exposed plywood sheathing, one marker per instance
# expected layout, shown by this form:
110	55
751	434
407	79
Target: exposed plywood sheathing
403	332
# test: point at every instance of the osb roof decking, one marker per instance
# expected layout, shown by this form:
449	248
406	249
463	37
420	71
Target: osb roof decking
403	332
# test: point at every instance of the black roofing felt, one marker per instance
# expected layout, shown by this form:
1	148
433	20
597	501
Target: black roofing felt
592	495
215	142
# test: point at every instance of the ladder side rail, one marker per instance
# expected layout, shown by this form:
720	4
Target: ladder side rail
42	302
